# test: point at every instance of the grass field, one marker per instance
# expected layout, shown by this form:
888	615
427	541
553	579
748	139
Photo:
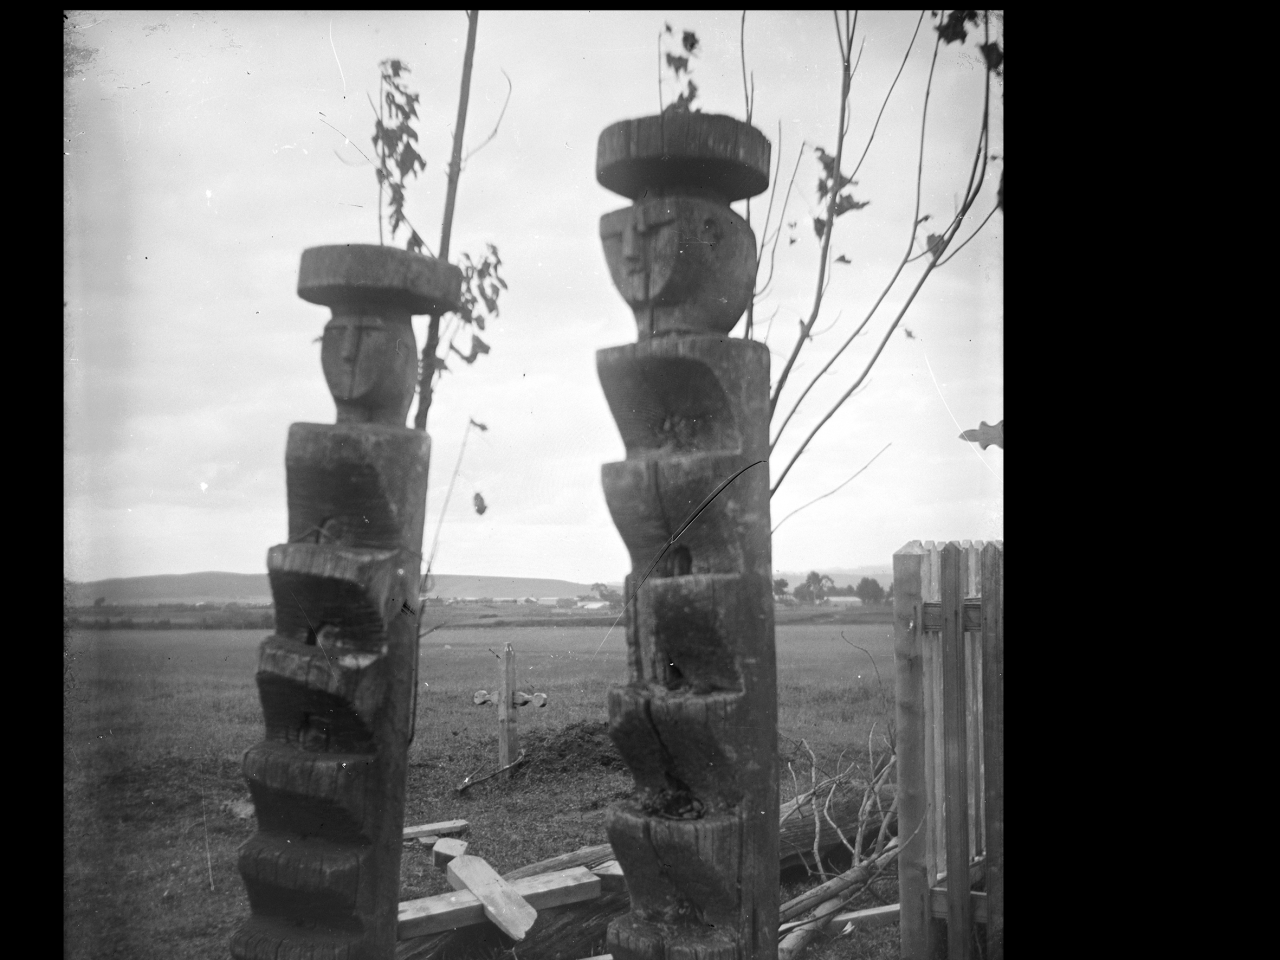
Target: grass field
155	723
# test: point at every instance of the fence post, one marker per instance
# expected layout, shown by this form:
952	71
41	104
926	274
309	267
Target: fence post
970	580
936	750
993	738
916	929
959	910
508	739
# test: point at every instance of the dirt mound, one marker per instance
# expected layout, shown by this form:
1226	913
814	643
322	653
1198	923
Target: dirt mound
570	752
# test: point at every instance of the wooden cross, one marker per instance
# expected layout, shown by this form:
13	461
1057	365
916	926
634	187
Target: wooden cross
508	700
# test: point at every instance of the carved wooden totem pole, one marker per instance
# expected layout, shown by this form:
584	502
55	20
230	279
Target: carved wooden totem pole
336	678
697	720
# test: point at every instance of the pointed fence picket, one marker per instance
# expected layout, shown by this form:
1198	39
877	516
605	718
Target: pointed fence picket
949	633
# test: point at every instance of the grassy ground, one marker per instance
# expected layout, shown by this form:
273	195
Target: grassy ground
155	723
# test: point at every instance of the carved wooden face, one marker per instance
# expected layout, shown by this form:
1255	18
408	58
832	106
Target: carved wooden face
641	244
371	363
687	253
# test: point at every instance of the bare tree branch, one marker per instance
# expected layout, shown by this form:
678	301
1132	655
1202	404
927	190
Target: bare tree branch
829	493
970	237
901	313
876	125
845	79
501	114
924	276
781	217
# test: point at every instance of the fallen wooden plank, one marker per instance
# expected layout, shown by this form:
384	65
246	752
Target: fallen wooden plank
446	850
449	911
444	829
503	905
875	916
611	878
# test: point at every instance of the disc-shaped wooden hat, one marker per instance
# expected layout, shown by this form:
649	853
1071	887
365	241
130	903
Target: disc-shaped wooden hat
365	273
673	150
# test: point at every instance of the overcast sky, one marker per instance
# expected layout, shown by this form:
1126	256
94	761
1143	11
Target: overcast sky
198	168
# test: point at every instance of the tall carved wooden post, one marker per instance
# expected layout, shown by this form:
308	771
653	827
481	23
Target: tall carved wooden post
697	720
336	678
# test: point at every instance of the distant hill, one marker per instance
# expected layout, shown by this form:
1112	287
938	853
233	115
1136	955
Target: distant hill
219	588
176	588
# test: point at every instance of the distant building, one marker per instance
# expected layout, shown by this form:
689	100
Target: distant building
593	604
845	601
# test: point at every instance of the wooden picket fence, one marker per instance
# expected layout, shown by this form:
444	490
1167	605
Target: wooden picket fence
949	631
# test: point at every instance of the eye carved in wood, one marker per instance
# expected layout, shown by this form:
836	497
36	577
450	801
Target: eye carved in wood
682	263
370	365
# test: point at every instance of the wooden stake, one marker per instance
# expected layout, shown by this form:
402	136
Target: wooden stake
508	740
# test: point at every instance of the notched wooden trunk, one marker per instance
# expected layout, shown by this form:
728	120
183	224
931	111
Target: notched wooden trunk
697	720
335	679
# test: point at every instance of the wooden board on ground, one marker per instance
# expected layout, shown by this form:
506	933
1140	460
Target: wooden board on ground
875	916
444	829
446	850
503	905
448	911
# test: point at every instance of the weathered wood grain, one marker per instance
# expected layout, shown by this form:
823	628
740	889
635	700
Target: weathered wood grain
683	264
993	736
335	681
508	737
684	150
378	276
502	904
450	911
696	721
447	849
910	580
959	913
445	828
352	485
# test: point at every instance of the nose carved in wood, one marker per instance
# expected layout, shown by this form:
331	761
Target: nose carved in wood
696	721
371	366
335	679
682	263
